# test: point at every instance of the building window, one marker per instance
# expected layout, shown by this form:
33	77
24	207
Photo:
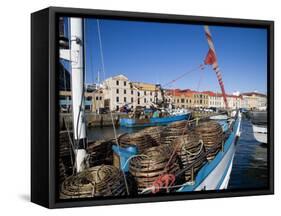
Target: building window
125	91
150	99
125	99
117	82
151	93
144	100
117	99
97	98
100	98
132	92
138	101
125	83
117	91
182	100
132	100
138	93
178	100
144	92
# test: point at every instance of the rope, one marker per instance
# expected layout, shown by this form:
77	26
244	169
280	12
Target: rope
183	75
118	149
133	156
101	49
197	153
176	147
114	129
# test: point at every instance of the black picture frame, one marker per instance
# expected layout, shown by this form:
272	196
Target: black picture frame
44	109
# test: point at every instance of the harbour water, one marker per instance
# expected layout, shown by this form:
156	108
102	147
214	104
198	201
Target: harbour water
250	161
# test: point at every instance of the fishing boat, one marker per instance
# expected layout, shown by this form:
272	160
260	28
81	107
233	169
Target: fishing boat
176	154
153	121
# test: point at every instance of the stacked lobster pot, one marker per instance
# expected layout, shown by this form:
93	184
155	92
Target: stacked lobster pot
146	138
104	180
153	163
211	134
100	152
173	130
191	152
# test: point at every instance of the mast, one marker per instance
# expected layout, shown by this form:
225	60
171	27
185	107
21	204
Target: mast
211	59
77	83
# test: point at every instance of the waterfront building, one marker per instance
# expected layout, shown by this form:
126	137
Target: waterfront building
215	99
180	98
120	91
254	100
194	99
234	101
200	99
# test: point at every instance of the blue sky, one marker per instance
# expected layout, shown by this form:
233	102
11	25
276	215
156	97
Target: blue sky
160	52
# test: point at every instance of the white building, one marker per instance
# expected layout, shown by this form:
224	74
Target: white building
254	100
119	91
234	101
216	100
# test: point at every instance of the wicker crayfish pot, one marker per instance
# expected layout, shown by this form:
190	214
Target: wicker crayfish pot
153	163
143	139
191	152
104	180
211	134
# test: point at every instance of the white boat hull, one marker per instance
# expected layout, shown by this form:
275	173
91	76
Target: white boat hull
219	177
216	174
260	133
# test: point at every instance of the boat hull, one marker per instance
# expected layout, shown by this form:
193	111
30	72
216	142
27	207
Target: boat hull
127	122
260	133
215	175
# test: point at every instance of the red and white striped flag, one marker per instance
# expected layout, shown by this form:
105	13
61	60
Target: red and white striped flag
211	59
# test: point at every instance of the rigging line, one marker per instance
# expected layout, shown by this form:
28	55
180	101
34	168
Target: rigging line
118	149
170	83
200	80
183	75
114	129
101	49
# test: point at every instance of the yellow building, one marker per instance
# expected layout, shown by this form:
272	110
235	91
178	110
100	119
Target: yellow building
200	99
181	98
